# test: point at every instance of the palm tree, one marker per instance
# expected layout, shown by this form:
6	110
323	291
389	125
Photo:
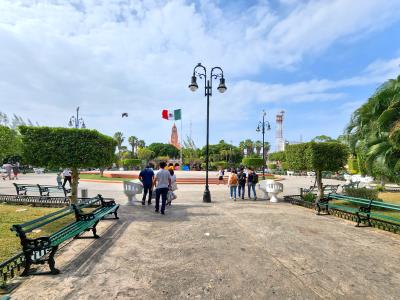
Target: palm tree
141	144
374	131
242	146
258	145
132	140
249	144
119	138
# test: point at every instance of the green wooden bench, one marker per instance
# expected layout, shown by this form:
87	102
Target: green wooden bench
365	210
22	189
42	249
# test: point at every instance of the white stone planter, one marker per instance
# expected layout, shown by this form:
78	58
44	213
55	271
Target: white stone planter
262	188
273	188
131	189
290	173
347	177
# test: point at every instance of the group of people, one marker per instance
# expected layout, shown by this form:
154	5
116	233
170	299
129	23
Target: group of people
11	168
238	180
163	182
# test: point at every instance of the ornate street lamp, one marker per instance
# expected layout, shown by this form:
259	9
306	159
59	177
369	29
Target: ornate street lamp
75	121
201	72
262	126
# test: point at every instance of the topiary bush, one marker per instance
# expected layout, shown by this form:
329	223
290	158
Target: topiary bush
254	162
309	197
130	163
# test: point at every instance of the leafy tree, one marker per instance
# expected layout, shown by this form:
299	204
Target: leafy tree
141	144
10	143
322	138
317	157
129	163
373	134
255	162
277	156
161	149
249	145
67	148
145	154
119	138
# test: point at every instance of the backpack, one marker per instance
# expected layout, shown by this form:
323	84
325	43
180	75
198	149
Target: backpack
255	177
234	179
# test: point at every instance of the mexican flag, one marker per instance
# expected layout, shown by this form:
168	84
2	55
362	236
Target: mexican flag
172	114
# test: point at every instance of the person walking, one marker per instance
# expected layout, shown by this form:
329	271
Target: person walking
221	174
146	176
233	183
162	182
174	187
15	168
67	177
242	182
252	180
8	168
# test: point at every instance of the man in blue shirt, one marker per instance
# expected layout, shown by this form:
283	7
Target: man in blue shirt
146	176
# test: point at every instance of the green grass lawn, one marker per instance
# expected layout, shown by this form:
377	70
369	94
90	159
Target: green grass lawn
98	177
17	214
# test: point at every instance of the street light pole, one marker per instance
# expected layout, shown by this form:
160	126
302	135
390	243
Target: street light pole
208	92
75	121
262	126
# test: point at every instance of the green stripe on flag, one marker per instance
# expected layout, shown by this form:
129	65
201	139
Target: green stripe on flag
177	114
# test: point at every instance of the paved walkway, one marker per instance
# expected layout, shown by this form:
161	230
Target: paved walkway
224	250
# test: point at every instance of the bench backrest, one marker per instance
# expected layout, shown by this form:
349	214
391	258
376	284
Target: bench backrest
22	229
356	200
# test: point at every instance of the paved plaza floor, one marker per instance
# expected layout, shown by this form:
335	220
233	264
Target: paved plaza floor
221	250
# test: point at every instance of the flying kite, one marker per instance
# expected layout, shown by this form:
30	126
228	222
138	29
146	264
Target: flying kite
124	114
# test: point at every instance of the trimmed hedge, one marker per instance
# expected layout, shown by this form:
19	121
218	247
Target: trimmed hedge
254	162
129	163
365	193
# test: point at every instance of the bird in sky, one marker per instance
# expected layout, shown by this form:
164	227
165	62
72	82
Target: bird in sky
124	114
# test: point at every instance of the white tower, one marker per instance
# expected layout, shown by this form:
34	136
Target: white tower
280	141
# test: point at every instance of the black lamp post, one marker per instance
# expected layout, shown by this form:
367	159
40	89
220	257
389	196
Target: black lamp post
75	121
215	73
262	126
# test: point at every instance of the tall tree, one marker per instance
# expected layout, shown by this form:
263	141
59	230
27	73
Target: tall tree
119	138
249	144
67	148
374	131
258	145
132	140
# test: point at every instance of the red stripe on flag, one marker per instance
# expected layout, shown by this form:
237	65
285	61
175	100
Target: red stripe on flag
165	114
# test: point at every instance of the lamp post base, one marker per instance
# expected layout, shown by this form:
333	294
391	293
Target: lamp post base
207	195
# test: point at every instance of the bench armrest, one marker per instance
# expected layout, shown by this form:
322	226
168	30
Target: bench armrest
39	243
365	209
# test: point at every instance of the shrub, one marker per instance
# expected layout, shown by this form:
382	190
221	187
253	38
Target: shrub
380	188
277	156
371	194
272	166
285	166
309	197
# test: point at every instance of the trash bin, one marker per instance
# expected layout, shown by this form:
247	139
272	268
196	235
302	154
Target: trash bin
84	193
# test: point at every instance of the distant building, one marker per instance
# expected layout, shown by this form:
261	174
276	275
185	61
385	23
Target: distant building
174	137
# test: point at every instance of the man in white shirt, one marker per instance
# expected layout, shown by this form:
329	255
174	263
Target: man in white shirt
67	177
162	182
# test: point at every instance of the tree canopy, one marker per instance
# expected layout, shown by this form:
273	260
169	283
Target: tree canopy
161	149
373	134
10	143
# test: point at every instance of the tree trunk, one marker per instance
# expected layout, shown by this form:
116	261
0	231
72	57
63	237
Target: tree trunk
74	187
318	178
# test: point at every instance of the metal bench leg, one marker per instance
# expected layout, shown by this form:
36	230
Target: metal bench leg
358	219
52	262
94	230
28	264
116	213
369	221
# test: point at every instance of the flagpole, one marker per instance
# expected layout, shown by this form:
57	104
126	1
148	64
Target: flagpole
181	143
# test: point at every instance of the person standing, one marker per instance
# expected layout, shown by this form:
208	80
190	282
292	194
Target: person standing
162	182
242	182
67	177
146	176
233	183
252	180
15	168
174	187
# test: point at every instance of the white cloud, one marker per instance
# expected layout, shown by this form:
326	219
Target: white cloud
137	56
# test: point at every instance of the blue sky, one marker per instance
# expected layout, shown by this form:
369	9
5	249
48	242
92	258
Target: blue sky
316	60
